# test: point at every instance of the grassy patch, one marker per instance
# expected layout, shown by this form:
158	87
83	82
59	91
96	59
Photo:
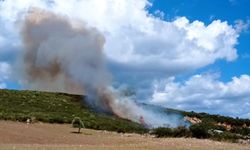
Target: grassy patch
58	108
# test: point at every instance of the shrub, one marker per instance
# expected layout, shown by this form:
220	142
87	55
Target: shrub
77	123
225	136
162	132
241	130
171	132
181	131
199	130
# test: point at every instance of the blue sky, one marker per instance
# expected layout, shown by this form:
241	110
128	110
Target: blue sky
184	54
207	11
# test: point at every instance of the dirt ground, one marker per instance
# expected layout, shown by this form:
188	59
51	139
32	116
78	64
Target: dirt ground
14	135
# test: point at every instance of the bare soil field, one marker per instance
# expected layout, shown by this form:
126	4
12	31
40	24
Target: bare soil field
14	135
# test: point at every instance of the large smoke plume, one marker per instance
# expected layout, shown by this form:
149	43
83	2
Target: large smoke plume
61	55
64	55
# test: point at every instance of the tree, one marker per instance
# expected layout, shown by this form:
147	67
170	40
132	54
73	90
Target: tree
77	123
199	130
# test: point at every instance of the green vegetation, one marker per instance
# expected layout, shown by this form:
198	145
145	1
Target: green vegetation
171	132
214	127
219	127
218	118
241	130
63	108
77	123
58	108
202	131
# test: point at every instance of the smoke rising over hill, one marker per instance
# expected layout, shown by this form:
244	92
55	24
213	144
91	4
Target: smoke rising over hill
61	55
64	55
164	59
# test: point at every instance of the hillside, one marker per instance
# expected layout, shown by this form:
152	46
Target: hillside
62	108
58	108
227	121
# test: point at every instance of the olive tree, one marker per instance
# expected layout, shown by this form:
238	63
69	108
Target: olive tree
77	123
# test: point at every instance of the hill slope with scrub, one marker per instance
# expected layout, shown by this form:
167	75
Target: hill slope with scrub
58	108
37	106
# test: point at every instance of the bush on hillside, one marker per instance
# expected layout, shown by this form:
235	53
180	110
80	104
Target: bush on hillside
199	130
77	123
241	130
171	132
59	108
225	136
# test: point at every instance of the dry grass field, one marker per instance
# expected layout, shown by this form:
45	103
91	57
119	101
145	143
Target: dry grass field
14	135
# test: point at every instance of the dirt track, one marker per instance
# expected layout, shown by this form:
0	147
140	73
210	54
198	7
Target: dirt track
23	136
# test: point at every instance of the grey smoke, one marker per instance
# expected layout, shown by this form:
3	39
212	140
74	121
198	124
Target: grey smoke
64	55
61	55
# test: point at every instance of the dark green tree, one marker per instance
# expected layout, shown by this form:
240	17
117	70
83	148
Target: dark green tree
199	130
77	123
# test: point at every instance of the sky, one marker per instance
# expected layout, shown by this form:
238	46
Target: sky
207	11
185	54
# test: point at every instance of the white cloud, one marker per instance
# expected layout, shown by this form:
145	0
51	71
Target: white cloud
241	25
142	45
137	39
206	93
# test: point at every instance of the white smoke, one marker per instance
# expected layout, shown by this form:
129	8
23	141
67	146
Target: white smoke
137	42
64	55
56	49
